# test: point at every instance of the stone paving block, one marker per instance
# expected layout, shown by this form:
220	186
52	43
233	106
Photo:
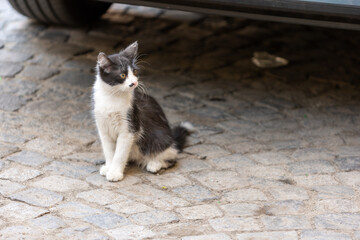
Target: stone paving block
241	127
191	165
29	158
218	236
53	147
343	221
101	196
270	158
220	180
16	211
244	195
169	180
329	191
154	217
210	151
234	224
233	161
75	210
60	184
35	72
285	207
81	232
289	193
288	145
323	235
195	193
70	170
241	209
19	87
38	197
131	232
349	178
314	180
311	167
348	163
7	149
285	222
336	206
129	207
48	222
268	172
83	64
312	154
210	113
348	151
357	235
7	187
74	78
15	57
21	232
20	174
285	235
199	212
9	102
106	220
61	93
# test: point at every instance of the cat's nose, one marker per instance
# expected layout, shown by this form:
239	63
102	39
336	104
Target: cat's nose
133	84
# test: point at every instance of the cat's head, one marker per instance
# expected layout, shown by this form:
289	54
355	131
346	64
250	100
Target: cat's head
119	70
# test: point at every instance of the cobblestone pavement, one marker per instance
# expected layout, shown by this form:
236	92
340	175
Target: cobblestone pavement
277	154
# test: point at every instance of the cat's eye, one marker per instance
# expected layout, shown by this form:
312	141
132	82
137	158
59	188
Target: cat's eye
123	75
135	72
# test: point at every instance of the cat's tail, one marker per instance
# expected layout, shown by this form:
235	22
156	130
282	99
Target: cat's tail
180	133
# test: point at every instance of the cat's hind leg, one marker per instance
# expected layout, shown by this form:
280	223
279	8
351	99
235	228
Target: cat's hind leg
164	159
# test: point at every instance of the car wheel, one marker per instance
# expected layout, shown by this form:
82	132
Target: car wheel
62	12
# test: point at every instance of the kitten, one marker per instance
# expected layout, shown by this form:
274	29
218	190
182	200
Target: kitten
132	126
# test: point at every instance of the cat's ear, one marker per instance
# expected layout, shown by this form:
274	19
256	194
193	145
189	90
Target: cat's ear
104	62
131	50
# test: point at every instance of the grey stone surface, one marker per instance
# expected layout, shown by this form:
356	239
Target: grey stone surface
19	174
9	102
283	235
70	170
60	184
218	236
19	87
323	235
348	163
38	72
100	196
129	207
289	193
16	211
131	232
285	207
48	222
234	224
75	210
285	222
94	158
244	195
346	221
199	212
7	149
154	217
330	191
29	158
241	209
15	57
8	187
311	167
233	161
220	180
106	220
38	197
75	78
195	193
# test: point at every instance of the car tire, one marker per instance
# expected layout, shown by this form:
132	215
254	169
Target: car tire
61	12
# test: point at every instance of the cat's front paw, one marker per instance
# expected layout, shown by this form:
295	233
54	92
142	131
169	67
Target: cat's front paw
103	170
114	176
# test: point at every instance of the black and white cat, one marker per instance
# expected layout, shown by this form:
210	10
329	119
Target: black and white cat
132	126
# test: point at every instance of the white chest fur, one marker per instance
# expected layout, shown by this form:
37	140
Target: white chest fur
110	110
